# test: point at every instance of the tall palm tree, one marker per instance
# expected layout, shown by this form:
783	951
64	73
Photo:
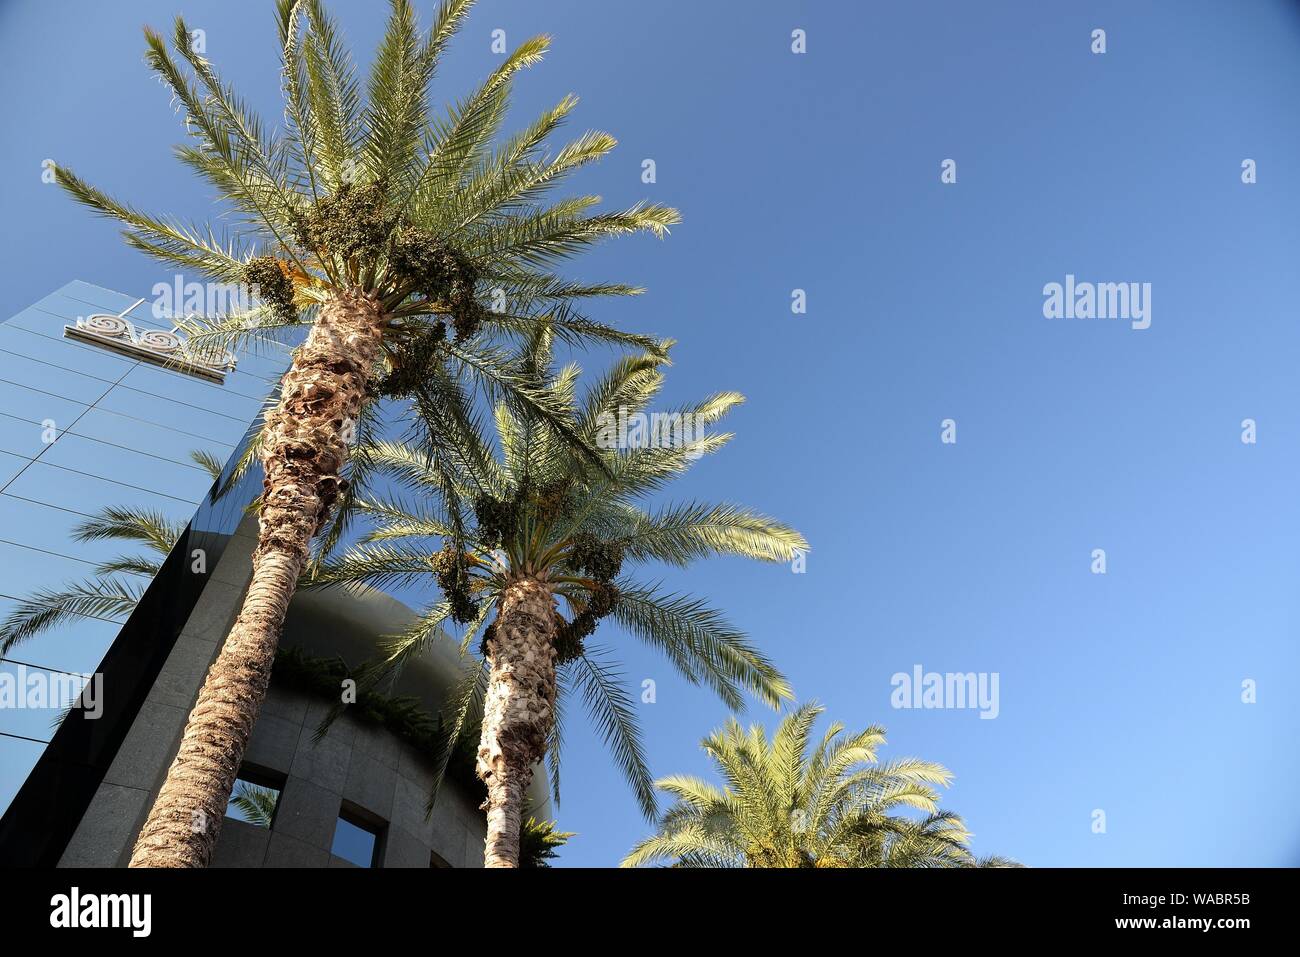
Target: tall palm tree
114	590
781	807
544	525
378	226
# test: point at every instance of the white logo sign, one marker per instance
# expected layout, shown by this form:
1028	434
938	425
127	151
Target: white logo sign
159	346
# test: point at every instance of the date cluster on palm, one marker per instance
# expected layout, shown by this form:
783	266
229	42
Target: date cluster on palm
438	272
451	567
270	282
600	561
356	225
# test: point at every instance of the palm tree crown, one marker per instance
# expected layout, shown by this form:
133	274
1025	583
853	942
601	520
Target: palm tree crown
782	807
380	198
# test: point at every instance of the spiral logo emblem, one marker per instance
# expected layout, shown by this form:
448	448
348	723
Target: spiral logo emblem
107	325
160	346
160	341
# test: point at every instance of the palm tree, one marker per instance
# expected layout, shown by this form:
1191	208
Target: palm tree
781	807
112	592
376	226
543	524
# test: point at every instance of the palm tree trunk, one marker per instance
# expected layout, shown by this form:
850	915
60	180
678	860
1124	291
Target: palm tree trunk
305	445
518	711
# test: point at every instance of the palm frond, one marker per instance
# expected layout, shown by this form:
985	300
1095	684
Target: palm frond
111	599
210	462
129	565
169	241
256	803
703	645
144	526
612	710
333	96
683	533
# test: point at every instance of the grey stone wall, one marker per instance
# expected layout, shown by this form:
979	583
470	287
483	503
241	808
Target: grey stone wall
357	762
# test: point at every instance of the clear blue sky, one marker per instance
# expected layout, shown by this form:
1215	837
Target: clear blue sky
821	172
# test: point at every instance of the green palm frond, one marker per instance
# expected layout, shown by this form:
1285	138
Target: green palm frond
169	241
466	709
129	565
456	143
687	846
229	147
256	803
703	645
375	564
109	598
613	713
538	240
210	462
684	533
540	841
393	520
396	113
144	526
333	96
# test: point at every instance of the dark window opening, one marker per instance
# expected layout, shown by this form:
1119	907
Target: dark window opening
255	797
358	836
